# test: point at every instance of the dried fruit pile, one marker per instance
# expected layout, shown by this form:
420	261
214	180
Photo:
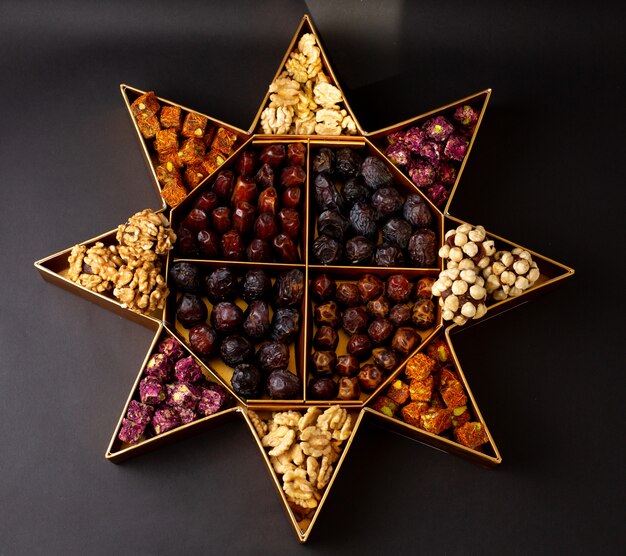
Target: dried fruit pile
187	147
431	154
363	218
249	324
431	397
381	323
173	392
252	213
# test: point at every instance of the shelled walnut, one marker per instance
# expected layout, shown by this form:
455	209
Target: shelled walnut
303	449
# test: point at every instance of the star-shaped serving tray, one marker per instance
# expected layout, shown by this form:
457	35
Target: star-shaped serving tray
54	268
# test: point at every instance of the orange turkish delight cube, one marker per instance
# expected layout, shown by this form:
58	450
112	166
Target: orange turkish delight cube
212	161
436	420
145	105
171	117
440	351
194	125
419	366
166	172
166	141
472	435
385	405
194	174
398	392
412	411
192	151
224	140
174	192
460	416
421	390
148	126
453	394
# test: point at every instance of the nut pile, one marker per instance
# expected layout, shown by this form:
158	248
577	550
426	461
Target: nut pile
432	154
173	392
475	270
431	396
303	449
253	213
130	270
251	324
363	219
187	149
380	321
302	99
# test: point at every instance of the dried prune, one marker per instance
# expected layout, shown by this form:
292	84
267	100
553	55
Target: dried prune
354	320
380	330
388	254
292	176
398	288
223	185
401	314
283	385
246	163
265	177
423	316
256	285
360	346
221	285
291	197
290	288
289	222
327	196
324	161
416	212
256	323
359	250
347	365
323	287
327	314
265	227
233	248
190	310
196	220
347	162
375	173
273	155
268	201
322	389
272	356
370	377
209	243
186	242
259	251
285	325
397	230
236	349
348	388
326	338
186	277
370	287
378	307
423	248
203	339
207	202
348	294
332	223
245	190
247	380
405	340
226	317
355	190
385	359
243	218
363	220
296	154
285	249
221	219
386	201
326	250
324	362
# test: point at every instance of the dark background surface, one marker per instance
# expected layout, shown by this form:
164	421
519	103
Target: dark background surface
546	171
